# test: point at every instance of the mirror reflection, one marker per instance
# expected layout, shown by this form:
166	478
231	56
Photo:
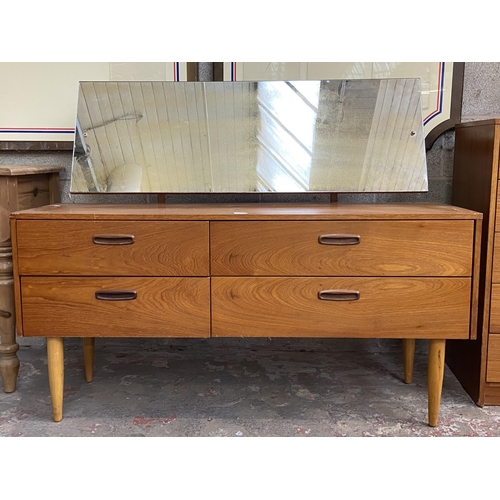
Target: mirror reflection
242	137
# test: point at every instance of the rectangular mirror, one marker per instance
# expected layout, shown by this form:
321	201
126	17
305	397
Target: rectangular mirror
246	137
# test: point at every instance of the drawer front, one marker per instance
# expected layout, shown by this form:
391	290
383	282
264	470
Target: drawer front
495	309
102	248
493	364
349	307
497	219
123	307
33	191
358	248
496	259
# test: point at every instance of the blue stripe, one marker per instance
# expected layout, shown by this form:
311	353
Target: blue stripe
35	131
440	108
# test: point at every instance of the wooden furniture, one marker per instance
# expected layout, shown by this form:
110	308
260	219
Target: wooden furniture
475	186
21	187
375	271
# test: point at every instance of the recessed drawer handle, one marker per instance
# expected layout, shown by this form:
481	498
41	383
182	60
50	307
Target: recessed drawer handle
113	239
339	239
116	295
338	295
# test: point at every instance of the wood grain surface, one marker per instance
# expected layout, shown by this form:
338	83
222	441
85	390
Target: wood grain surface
164	307
435	374
495	277
250	211
475	183
491	394
16	170
21	187
159	248
8	204
35	191
495	308
386	248
493	364
386	308
55	365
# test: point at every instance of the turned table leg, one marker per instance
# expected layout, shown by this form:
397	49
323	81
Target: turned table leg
88	357
9	362
19	188
435	378
55	357
408	358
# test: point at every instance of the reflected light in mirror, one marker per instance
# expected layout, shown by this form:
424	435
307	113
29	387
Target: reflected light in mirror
243	137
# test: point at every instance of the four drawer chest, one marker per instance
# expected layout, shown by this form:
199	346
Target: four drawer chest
406	271
476	172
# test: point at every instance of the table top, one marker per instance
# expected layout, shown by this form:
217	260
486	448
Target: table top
13	170
248	211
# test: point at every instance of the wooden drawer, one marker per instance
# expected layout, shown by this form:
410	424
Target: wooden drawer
496	259
353	248
495	309
33	191
68	307
497	220
102	248
493	363
386	307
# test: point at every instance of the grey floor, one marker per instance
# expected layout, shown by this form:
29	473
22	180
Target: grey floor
238	388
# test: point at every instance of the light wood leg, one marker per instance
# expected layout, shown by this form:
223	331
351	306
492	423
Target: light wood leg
435	378
88	357
9	362
408	358
55	357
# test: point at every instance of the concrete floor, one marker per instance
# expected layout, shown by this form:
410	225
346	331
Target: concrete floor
238	387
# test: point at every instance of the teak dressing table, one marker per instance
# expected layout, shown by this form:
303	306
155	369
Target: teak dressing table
406	271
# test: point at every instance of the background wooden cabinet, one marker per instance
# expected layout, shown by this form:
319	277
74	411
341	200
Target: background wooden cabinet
475	186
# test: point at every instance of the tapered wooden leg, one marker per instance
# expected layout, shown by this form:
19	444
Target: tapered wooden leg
55	357
88	357
435	378
408	358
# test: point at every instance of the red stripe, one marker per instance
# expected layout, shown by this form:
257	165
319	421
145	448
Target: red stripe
37	128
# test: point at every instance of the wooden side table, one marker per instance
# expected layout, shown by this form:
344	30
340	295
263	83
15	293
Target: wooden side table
21	187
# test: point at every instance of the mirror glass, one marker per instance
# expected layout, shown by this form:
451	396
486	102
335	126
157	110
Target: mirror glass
245	137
